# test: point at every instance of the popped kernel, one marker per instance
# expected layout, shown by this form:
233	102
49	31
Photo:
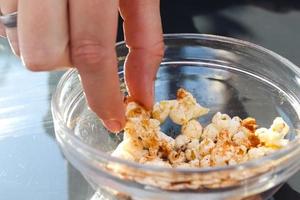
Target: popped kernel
192	129
211	132
161	110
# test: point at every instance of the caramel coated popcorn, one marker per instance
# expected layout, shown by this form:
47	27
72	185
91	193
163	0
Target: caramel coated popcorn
225	141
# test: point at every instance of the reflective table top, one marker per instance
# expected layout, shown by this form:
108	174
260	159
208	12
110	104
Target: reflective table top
31	165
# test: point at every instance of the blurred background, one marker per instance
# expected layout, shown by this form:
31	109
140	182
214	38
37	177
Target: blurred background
31	165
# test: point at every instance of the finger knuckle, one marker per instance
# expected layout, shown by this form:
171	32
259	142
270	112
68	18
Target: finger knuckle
41	59
89	52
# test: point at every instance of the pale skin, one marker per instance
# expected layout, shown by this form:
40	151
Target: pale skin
57	34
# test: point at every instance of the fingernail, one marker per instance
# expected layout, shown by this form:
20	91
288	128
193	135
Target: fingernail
112	125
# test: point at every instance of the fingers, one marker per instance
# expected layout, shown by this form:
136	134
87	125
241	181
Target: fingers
43	34
143	35
7	7
93	33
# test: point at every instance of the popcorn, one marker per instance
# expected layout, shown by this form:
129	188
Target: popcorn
194	144
206	146
205	161
134	110
129	149
234	125
186	109
241	138
280	126
274	136
181	141
210	132
221	121
225	141
175	157
192	129
256	153
161	110
168	139
190	154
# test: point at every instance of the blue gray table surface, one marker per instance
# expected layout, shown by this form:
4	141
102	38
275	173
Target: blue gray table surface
31	165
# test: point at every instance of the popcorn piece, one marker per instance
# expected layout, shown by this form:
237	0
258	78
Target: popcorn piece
192	129
250	124
181	141
221	121
256	153
280	127
168	139
161	110
241	138
206	146
210	132
190	154
234	125
175	157
194	144
271	138
205	161
130	149
221	154
119	152
186	109
134	110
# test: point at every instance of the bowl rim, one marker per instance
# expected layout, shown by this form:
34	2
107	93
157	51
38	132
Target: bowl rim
97	154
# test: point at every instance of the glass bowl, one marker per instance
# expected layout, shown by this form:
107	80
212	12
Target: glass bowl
224	74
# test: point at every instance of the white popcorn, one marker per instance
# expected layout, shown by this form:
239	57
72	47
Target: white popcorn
186	109
211	132
194	144
132	147
139	127
206	146
192	129
221	121
190	154
240	138
181	141
161	110
163	136
205	161
119	152
220	155
254	153
234	125
280	127
271	138
134	110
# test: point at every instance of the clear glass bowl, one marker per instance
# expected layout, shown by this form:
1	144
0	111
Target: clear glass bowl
224	74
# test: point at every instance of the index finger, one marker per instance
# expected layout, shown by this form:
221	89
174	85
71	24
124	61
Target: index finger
93	26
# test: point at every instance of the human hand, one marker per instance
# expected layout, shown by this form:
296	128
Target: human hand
55	34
